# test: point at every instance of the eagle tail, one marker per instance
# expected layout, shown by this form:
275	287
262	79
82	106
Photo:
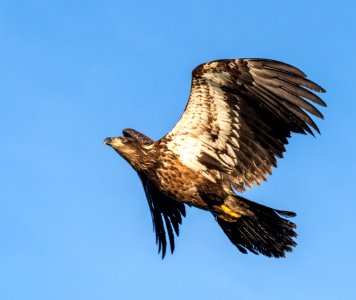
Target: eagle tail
262	230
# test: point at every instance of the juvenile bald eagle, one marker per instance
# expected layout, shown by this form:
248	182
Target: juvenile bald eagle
238	119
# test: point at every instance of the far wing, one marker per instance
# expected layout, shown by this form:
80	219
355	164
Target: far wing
239	116
166	215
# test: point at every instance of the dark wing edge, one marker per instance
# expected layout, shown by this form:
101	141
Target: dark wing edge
166	214
285	87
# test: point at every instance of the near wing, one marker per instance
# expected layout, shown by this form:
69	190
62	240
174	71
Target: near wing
163	206
239	116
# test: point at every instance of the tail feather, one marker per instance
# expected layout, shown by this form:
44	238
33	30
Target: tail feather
263	231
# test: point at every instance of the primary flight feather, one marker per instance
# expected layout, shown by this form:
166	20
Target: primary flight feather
237	121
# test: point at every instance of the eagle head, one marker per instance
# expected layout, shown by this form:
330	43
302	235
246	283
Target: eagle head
131	150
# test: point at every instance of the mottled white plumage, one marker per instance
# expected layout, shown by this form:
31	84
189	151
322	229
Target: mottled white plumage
236	124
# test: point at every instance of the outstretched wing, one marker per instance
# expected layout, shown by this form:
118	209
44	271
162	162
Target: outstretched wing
166	215
239	116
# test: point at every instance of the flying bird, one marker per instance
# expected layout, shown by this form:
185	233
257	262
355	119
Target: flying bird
236	124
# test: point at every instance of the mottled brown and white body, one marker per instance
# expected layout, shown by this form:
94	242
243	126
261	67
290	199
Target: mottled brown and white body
237	121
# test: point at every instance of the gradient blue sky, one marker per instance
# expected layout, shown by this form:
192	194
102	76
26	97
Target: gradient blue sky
73	216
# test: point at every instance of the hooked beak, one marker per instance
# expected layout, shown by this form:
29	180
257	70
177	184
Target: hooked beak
108	141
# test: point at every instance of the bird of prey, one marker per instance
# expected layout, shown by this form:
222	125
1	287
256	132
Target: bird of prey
237	121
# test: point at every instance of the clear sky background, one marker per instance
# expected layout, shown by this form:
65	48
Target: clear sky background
74	222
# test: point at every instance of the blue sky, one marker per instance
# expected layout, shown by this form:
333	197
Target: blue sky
73	216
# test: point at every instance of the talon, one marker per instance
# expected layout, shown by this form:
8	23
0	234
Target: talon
229	211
